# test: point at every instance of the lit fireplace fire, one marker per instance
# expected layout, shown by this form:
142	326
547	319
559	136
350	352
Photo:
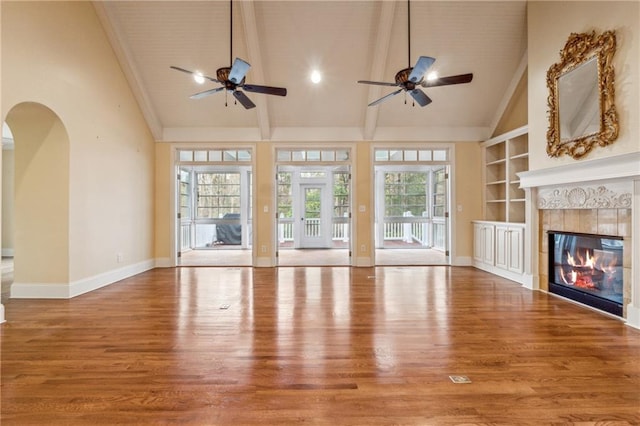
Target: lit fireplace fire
588	269
593	270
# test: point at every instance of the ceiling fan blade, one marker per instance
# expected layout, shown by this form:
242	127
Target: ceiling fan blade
238	70
377	83
420	68
267	90
193	73
384	98
443	81
243	99
200	95
420	97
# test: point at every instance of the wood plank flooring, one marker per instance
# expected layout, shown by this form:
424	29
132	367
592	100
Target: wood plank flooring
313	257
322	346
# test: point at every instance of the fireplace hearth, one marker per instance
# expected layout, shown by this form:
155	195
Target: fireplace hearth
588	269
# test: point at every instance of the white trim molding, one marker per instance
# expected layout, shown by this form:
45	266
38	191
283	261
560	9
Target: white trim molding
614	195
76	288
618	167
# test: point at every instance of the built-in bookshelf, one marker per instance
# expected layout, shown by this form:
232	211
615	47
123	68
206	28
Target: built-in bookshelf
504	157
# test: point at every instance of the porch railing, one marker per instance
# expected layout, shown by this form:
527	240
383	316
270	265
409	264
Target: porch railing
411	229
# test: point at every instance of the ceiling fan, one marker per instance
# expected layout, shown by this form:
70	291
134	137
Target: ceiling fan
411	79
233	78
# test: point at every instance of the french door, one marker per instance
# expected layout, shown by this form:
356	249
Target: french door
314	224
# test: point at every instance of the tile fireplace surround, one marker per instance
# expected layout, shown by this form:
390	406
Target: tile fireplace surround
596	197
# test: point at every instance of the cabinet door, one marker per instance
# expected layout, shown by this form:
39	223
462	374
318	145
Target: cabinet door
488	231
478	242
502	247
516	250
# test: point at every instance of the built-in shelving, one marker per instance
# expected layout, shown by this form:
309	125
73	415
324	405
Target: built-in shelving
504	157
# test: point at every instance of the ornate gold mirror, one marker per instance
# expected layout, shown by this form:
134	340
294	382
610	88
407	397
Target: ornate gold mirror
582	112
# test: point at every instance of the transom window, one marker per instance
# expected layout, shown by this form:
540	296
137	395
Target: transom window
312	155
214	155
411	155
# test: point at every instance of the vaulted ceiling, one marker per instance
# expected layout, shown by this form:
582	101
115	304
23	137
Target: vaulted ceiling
345	40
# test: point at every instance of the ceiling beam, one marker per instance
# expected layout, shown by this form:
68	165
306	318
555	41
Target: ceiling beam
248	13
378	65
125	58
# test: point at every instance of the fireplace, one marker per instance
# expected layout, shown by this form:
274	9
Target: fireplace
587	268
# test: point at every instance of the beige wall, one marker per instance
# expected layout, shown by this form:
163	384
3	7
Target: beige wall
7	201
549	26
515	115
164	175
56	54
468	193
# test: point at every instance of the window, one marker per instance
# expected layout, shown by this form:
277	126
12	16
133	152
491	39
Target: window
411	155
312	155
218	194
341	194
405	192
214	155
285	195
439	193
185	194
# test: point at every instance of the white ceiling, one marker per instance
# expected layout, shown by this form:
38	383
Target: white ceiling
346	40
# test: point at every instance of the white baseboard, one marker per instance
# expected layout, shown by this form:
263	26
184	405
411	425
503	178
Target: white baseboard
2	314
633	316
7	252
76	288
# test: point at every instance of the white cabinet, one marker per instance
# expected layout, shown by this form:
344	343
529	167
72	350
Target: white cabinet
510	247
483	244
498	248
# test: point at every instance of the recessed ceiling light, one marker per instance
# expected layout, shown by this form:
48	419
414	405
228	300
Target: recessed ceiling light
432	76
198	77
316	76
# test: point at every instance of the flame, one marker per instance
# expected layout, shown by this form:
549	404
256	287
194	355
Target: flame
591	261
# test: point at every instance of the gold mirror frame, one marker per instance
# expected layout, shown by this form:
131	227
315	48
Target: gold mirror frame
579	49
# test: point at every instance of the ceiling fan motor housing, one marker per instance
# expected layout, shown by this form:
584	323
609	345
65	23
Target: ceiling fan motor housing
402	79
222	74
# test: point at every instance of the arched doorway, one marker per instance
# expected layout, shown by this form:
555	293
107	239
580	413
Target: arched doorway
40	199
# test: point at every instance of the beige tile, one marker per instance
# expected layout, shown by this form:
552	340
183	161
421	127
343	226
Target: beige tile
543	217
626	255
543	264
556	219
571	220
544	282
608	221
624	222
626	292
588	221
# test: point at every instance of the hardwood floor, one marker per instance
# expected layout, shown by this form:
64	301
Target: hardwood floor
325	346
313	257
